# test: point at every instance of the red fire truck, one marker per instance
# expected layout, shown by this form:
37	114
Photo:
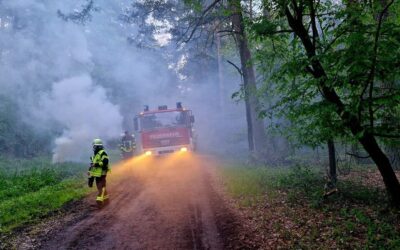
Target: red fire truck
164	130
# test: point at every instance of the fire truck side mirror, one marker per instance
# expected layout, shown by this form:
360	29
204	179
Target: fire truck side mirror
136	124
192	118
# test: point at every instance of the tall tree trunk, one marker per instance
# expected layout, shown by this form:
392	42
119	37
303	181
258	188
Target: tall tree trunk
330	186
220	74
355	151
255	125
332	162
249	125
393	152
381	160
251	9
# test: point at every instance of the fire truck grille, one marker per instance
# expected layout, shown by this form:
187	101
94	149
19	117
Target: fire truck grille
166	142
166	152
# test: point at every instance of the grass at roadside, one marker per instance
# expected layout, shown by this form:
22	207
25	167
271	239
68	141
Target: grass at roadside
30	189
288	207
250	185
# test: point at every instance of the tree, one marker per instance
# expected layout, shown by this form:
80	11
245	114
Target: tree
198	22
79	16
256	128
18	138
338	56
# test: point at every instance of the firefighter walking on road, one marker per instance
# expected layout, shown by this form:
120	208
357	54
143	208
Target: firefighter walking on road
98	171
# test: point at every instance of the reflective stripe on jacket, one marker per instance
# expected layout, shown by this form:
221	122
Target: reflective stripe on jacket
128	145
98	168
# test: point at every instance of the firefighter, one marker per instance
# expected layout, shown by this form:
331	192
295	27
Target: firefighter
98	171
128	145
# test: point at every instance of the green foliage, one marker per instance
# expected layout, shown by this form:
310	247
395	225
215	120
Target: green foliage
304	181
356	192
380	233
264	28
32	181
358	53
194	4
250	183
17	138
31	207
30	189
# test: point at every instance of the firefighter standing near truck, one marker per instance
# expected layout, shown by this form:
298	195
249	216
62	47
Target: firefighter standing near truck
99	167
128	145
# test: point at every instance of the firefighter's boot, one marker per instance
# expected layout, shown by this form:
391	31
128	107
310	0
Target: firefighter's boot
102	199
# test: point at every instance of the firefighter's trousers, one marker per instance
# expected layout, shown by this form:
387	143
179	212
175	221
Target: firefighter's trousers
101	189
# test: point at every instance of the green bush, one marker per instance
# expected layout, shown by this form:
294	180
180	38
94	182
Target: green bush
303	181
301	178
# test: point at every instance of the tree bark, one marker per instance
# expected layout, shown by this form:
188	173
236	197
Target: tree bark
251	9
330	186
332	162
394	155
220	74
249	125
355	151
381	160
256	127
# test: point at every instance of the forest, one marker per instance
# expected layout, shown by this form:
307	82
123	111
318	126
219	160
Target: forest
297	107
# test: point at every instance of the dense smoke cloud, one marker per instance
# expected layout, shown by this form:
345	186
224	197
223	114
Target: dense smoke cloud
86	80
71	74
85	113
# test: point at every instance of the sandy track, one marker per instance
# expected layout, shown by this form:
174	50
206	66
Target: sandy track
163	203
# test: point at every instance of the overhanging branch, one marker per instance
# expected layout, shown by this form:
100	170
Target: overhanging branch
236	67
200	19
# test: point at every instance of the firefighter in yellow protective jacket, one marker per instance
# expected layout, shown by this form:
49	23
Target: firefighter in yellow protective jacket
98	171
128	145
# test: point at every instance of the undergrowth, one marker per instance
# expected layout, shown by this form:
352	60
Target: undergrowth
291	199
249	185
30	189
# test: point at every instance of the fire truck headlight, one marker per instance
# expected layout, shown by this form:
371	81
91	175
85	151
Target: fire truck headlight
148	153
184	149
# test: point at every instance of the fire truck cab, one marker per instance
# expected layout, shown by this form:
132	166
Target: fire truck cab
164	130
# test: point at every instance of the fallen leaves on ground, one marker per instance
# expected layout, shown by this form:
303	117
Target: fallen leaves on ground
337	223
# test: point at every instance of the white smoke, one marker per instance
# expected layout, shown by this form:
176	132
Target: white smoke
65	73
85	112
72	76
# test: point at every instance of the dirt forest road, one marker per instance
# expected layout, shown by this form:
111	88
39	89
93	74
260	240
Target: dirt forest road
155	203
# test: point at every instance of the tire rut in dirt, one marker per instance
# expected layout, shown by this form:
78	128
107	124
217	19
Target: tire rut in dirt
88	231
170	206
196	228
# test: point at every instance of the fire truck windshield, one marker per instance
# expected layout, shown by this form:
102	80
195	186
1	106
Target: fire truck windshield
163	120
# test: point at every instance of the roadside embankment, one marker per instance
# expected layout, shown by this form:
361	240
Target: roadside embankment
31	189
287	208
